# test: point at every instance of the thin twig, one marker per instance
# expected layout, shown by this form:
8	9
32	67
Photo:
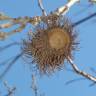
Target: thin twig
10	90
8	46
34	85
21	21
83	20
79	72
10	65
74	80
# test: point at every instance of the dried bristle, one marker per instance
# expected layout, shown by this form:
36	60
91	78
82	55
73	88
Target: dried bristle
50	45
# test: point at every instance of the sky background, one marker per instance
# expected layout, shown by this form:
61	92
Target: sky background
20	73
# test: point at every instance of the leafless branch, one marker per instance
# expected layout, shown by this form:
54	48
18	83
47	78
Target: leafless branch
79	72
11	90
42	8
35	87
9	45
21	21
10	65
64	9
74	80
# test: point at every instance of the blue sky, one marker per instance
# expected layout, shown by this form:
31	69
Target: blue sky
20	74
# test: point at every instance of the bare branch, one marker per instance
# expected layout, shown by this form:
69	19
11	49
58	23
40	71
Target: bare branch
79	72
84	19
42	8
21	21
34	86
8	46
74	80
64	9
10	90
10	64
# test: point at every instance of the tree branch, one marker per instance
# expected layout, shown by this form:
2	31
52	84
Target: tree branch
34	85
64	9
10	90
21	21
42	8
79	72
10	65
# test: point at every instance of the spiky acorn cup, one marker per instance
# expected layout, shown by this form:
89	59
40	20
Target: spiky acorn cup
52	42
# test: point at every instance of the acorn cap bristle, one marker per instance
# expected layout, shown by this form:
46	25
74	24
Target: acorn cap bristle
49	46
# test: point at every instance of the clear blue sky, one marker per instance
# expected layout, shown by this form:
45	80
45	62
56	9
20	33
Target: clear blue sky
20	74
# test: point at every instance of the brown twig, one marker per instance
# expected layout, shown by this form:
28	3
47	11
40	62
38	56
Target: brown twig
21	21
